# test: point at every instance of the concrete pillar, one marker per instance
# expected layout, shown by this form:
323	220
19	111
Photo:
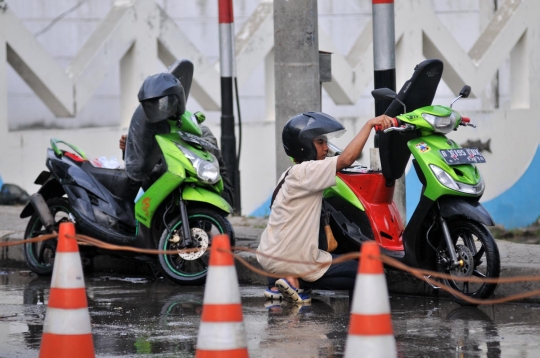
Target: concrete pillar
140	61
270	86
3	89
296	48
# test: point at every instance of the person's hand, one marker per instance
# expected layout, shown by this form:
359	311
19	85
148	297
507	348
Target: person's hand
381	122
123	142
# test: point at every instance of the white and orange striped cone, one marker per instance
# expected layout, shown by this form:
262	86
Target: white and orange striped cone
221	333
370	326
67	331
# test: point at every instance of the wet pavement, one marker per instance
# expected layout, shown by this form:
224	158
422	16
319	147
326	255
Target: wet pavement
140	317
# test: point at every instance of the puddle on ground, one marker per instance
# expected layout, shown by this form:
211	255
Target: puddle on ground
162	319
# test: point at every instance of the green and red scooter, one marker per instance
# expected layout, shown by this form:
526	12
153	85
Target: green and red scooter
448	232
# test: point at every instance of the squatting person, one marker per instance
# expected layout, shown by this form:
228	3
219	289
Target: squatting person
292	232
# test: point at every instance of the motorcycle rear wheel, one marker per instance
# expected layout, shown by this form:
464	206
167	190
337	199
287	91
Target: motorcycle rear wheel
191	271
40	256
475	245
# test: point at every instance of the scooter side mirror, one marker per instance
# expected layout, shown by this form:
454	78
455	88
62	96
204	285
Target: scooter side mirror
465	91
383	93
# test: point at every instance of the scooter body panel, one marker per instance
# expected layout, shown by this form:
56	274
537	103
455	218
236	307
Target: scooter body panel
380	208
96	209
342	190
426	152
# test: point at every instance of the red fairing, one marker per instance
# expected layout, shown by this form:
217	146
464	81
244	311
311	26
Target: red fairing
74	157
381	210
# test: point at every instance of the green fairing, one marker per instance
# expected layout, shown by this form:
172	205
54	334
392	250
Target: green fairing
177	162
58	152
341	190
415	117
465	173
179	170
147	204
206	196
189	124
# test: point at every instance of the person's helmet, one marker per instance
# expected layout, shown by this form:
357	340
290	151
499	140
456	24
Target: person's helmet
161	97
300	131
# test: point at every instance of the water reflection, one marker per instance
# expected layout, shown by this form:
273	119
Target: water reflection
316	329
157	318
473	330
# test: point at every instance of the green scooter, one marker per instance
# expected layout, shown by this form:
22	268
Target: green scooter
448	232
168	198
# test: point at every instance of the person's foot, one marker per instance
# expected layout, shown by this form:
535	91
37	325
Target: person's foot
274	294
291	293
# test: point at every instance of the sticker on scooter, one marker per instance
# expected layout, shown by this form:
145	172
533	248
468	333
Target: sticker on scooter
462	156
423	147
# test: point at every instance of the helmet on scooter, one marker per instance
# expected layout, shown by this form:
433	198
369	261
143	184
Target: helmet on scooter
161	97
300	131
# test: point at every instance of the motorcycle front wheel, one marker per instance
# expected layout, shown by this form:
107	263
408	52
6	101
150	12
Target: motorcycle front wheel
191	268
39	256
479	256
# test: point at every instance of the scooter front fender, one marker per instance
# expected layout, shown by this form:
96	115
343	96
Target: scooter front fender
206	196
453	207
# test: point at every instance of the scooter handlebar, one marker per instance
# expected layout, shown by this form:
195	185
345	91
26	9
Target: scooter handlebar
378	127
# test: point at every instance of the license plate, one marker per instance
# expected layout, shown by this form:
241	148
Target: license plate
462	156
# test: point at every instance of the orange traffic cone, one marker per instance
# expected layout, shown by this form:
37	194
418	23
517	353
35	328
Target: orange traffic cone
221	333
67	331
370	327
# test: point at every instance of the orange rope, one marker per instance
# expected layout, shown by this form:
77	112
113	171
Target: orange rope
421	274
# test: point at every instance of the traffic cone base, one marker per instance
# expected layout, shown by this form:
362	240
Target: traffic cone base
222	340
82	344
221	332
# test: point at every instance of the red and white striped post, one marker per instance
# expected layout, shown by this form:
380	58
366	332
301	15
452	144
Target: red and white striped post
227	69
384	51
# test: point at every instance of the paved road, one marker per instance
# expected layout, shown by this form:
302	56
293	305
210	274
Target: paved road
133	317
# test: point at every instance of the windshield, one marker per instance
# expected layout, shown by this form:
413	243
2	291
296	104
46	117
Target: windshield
334	150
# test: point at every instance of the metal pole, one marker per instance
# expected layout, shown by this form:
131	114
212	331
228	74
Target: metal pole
384	52
228	138
384	66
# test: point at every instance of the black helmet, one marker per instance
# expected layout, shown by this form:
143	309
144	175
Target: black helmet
300	131
161	97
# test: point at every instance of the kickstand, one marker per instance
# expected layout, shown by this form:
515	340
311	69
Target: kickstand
156	271
429	283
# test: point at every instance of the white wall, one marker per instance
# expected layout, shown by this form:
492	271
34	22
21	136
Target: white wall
97	126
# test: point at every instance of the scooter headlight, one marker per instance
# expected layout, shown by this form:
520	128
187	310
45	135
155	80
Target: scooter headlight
207	171
445	179
441	124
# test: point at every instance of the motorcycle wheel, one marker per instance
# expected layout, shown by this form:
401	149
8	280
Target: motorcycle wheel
39	256
474	244
191	269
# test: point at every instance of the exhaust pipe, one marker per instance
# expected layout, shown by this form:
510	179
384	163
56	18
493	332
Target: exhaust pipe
43	211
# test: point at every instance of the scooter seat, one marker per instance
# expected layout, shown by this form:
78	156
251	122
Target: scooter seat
115	180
